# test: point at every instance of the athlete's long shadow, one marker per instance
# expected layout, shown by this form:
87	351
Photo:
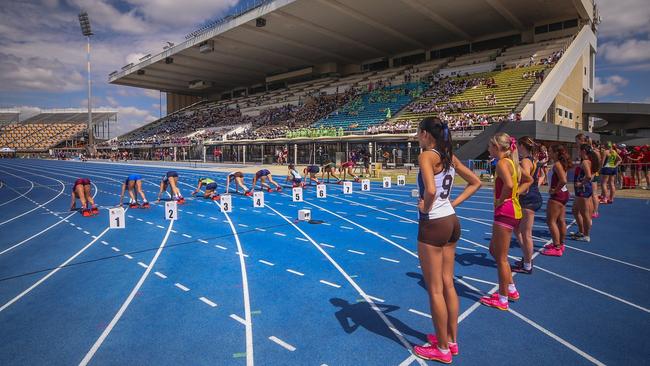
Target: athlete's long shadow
479	259
353	316
461	290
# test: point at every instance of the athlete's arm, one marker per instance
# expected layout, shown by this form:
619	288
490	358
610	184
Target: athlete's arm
503	172
427	160
526	179
473	182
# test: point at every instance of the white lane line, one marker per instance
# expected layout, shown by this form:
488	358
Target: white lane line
260	229
346	227
327	245
187	236
200	215
126	303
104	242
376	299
266	262
398	237
160	275
282	343
203	241
86	232
79	228
295	272
342	212
72	224
463	248
180	286
245	293
242	254
115	249
242	225
207	301
240	320
174	231
37	234
389	324
382	218
330	283
270	213
356	252
301	239
280	234
361	215
466	230
160	226
557	338
128	256
220	247
243	209
420	313
213	218
478	280
608	258
51	273
139	219
407	222
389	260
149	222
143	265
94	236
326	224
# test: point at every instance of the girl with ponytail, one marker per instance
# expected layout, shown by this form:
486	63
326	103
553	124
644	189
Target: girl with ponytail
583	206
507	213
530	200
438	232
556	210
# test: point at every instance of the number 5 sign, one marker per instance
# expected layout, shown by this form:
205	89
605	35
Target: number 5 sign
116	217
297	194
171	210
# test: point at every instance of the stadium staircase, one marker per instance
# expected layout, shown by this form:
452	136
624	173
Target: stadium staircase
365	110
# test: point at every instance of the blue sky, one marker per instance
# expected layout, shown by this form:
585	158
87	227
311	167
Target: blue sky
42	54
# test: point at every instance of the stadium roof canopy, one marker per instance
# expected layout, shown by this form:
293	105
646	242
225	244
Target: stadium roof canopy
9	116
304	33
619	116
71	115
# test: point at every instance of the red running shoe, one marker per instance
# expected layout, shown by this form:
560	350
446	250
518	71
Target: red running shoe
248	194
86	212
94	210
433	340
432	353
216	197
269	190
145	205
553	251
279	189
133	205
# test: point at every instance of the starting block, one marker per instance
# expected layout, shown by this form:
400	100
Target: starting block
134	205
304	215
86	212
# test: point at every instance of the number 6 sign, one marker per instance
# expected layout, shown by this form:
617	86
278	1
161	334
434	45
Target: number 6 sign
321	191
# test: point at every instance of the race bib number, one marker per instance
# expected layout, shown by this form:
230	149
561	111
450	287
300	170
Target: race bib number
297	194
226	203
116	218
171	210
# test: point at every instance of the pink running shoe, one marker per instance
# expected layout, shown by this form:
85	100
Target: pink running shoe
595	215
553	251
552	246
494	302
432	353
433	340
513	296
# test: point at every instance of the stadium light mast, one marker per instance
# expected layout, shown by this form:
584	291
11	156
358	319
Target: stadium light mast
84	22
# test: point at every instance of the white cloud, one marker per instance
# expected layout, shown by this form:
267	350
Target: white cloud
609	86
38	74
628	51
28	111
151	93
185	13
130	118
622	18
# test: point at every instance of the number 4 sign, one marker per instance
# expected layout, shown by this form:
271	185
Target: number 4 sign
297	194
171	210
116	217
258	199
226	203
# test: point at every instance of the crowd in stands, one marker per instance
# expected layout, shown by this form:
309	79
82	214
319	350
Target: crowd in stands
389	127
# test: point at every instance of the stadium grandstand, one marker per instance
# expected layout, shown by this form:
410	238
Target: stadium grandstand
8	116
340	75
55	130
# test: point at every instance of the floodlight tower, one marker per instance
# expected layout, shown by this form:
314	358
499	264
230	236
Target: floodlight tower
84	22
